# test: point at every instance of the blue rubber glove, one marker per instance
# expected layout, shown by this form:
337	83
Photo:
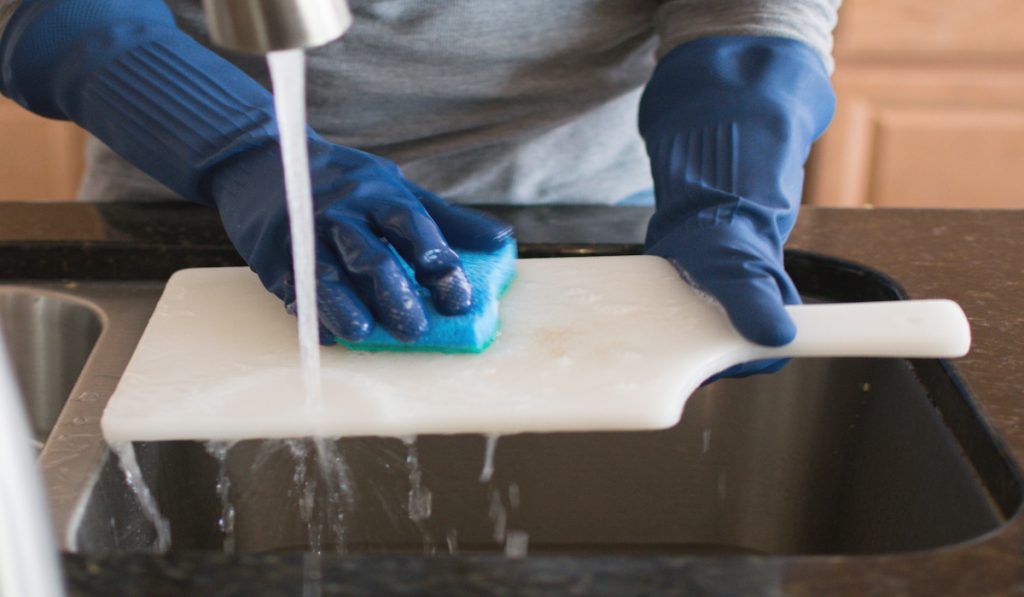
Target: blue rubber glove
364	208
123	71
728	123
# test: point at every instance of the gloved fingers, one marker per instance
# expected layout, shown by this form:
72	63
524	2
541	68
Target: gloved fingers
754	302
416	237
464	228
756	308
327	337
377	276
324	335
342	312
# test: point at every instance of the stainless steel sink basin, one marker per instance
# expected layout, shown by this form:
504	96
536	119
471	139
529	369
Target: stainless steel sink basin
829	456
50	336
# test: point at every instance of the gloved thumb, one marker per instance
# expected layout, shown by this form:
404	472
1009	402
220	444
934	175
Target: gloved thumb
755	305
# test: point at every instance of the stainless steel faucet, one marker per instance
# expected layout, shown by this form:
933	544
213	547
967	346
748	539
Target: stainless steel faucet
262	26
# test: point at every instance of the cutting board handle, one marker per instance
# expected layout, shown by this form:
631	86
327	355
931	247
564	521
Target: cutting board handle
934	328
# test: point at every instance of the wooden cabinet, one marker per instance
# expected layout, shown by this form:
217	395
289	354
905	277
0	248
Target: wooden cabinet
40	159
930	106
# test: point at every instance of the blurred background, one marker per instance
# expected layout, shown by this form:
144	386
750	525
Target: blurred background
930	113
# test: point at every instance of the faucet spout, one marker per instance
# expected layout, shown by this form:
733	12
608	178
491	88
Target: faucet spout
262	26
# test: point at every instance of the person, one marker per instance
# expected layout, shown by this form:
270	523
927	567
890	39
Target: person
478	101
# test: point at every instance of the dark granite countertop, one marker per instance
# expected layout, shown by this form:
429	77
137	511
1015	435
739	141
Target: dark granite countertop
973	257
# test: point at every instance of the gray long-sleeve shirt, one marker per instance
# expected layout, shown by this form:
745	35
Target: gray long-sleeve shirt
487	101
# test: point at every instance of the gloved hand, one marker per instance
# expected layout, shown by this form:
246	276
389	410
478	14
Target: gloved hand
359	199
728	123
123	71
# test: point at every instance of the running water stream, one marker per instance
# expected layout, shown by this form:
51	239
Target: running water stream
306	487
226	521
137	484
288	75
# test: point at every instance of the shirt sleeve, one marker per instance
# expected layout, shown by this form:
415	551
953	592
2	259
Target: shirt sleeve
807	21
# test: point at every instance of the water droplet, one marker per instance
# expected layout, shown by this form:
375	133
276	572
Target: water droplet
516	544
490	447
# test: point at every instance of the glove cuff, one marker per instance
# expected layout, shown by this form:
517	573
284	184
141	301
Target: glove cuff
739	76
728	123
170	106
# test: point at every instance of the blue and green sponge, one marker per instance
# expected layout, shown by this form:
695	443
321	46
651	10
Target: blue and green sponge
490	275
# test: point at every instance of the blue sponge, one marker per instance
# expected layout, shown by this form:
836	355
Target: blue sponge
490	275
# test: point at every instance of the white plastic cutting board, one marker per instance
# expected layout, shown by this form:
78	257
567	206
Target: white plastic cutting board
599	343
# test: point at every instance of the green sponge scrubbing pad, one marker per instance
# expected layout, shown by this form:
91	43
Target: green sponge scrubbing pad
490	275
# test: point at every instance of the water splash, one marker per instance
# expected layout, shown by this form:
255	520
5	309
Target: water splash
513	495
325	492
498	515
133	476
420	498
490	447
452	539
339	489
516	544
226	521
306	485
516	541
268	448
